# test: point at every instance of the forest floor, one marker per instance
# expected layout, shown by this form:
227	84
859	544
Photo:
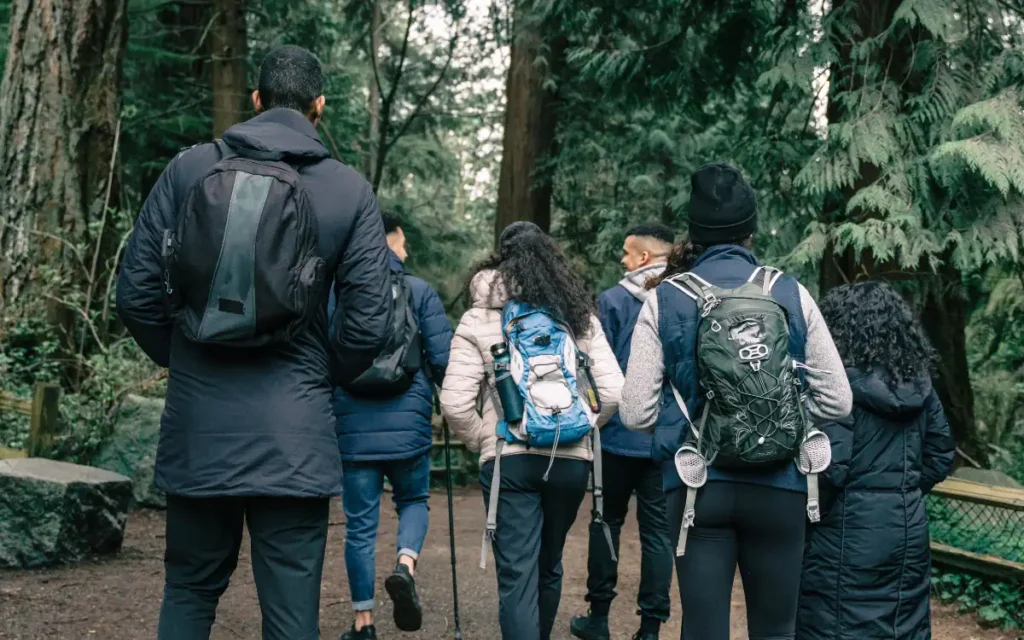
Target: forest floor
119	598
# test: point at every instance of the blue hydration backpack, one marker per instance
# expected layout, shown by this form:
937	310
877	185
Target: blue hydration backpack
559	398
544	365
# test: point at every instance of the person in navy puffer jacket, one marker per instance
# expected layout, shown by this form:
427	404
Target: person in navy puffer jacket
391	438
626	456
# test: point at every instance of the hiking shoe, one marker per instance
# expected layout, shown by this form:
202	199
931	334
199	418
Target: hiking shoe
366	633
645	635
590	627
401	587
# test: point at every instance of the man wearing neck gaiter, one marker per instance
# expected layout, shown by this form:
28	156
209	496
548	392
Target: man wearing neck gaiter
627	460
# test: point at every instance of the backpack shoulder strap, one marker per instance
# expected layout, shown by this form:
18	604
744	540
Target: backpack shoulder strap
692	285
767	277
225	149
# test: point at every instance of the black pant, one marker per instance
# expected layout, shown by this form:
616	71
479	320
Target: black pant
534	518
288	537
624	476
762	529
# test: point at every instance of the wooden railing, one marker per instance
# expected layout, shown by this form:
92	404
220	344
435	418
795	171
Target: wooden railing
978	528
43	409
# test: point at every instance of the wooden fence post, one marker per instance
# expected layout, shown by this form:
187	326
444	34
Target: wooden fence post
45	418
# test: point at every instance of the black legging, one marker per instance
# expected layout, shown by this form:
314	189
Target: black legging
759	527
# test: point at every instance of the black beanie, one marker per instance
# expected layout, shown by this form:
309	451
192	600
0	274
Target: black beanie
723	207
515	230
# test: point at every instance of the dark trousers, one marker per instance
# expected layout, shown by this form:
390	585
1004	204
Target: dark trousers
534	518
288	537
761	529
625	476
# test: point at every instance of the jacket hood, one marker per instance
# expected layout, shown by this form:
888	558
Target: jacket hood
277	134
727	251
487	290
635	282
397	266
872	391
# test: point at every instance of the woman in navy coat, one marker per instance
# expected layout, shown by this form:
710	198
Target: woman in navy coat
867	565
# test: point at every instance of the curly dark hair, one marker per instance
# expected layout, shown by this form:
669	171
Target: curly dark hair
537	272
874	328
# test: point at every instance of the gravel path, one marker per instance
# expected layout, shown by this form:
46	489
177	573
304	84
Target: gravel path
119	598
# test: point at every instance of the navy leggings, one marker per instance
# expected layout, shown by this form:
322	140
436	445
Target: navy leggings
758	528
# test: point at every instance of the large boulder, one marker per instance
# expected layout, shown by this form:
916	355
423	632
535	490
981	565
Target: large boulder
56	512
131	449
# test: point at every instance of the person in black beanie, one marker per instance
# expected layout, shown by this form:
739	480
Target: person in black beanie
753	517
723	207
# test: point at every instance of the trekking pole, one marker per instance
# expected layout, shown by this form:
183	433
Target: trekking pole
451	525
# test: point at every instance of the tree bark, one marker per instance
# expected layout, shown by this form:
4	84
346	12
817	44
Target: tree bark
230	56
374	100
872	18
944	317
59	106
531	117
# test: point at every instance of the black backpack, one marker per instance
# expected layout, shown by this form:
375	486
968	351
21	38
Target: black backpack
394	370
241	269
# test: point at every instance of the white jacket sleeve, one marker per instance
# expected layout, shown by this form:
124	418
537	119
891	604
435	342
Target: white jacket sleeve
606	371
462	384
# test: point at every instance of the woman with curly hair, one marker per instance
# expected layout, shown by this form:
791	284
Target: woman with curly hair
540	488
867	565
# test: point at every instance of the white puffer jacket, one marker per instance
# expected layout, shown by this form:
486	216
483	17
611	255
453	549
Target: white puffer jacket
470	367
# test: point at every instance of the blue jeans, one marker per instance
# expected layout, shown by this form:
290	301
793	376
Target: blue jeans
362	485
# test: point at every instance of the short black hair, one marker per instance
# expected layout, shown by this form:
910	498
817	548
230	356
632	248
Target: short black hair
392	221
290	77
654	230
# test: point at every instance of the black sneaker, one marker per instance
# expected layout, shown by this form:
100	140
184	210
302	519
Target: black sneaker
645	635
401	587
590	627
366	633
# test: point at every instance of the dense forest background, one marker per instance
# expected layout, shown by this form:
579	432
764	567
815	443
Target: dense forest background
885	139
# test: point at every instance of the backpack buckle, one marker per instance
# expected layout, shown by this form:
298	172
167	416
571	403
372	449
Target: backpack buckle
710	302
813	510
688	518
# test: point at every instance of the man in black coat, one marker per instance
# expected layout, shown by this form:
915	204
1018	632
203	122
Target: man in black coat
249	434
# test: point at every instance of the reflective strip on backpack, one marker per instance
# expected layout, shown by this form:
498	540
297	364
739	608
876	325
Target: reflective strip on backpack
230	312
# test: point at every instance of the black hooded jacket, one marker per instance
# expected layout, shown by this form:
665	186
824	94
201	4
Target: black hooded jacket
867	564
260	422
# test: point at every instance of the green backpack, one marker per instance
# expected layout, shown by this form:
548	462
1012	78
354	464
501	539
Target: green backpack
753	416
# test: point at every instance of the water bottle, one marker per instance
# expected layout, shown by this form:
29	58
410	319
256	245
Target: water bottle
585	382
508	391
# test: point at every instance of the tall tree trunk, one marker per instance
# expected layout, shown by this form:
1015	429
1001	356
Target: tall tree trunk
229	62
941	299
374	101
531	116
944	317
873	17
59	105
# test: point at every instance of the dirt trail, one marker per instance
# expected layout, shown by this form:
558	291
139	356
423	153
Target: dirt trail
119	598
